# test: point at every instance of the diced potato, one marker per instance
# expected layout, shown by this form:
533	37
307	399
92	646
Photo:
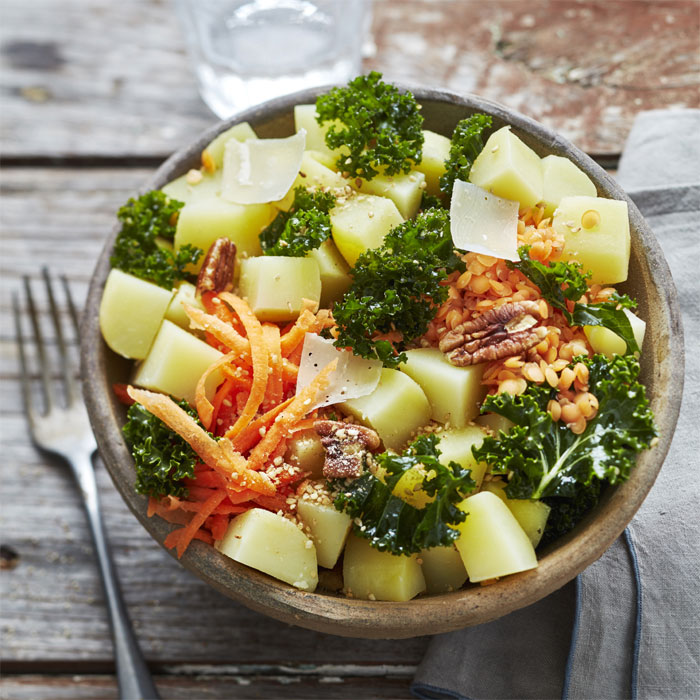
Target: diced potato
328	527
305	118
182	190
374	575
495	422
202	222
395	409
605	341
561	178
176	362
436	150
455	393
304	450
130	313
405	190
186	293
456	446
443	569
334	271
509	169
274	545
215	150
491	541
324	158
531	515
361	222
312	173
596	234
409	488
276	286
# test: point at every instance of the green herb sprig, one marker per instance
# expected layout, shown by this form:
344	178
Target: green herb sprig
467	143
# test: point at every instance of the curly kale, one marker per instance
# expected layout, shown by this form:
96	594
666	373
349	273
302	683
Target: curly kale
389	523
397	287
380	129
163	459
567	512
545	459
467	143
144	245
561	281
304	227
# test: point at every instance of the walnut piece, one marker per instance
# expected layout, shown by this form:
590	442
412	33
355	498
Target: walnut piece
346	446
216	274
508	330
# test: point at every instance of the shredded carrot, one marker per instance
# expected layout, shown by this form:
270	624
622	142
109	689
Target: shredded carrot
224	332
240	377
167	511
257	429
304	323
120	392
240	497
221	395
274	390
204	407
217	525
297	409
182	538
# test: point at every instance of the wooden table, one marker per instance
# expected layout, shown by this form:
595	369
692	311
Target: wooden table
94	94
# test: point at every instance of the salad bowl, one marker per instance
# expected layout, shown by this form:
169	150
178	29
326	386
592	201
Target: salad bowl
649	282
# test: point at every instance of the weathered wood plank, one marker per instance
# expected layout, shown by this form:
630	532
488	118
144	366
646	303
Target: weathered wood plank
121	85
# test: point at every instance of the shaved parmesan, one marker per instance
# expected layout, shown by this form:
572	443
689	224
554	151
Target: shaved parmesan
354	376
483	223
261	170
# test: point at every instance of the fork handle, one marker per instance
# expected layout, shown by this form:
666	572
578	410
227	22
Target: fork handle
133	677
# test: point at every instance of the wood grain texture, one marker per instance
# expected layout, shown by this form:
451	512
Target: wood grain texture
121	86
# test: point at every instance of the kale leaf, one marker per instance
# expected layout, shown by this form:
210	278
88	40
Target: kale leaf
566	513
379	127
303	228
163	459
389	523
562	281
467	143
544	458
397	287
144	245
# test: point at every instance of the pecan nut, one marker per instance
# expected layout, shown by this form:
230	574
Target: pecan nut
346	447
217	270
507	330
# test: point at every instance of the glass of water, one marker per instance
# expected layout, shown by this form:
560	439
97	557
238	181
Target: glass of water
248	51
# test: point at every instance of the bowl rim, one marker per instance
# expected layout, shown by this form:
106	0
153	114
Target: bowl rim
435	613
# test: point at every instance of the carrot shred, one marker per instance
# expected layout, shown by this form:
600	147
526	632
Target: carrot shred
182	538
248	437
224	332
217	525
274	390
205	408
221	394
121	394
294	412
304	323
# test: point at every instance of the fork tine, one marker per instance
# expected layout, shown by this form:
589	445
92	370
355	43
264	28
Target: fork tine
41	350
75	316
68	379
24	372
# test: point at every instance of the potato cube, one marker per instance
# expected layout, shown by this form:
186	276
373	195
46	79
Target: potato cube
409	488
456	446
492	543
561	178
334	271
361	222
436	150
276	286
328	527
605	341
130	313
312	174
509	169
455	393
305	118
494	422
215	150
274	545
304	450
596	234
374	575
443	569
185	293
175	363
201	222
182	190
395	409
405	190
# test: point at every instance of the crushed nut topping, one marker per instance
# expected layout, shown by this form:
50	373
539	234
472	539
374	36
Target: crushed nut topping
507	330
346	448
216	274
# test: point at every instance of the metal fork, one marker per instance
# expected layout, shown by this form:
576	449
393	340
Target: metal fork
64	430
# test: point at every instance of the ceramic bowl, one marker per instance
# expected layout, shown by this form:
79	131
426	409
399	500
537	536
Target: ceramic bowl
662	372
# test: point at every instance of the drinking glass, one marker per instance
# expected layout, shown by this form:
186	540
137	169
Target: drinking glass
247	51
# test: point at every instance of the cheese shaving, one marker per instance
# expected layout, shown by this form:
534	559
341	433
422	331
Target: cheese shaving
483	223
354	376
261	170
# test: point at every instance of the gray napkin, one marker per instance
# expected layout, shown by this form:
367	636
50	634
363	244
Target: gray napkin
629	625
